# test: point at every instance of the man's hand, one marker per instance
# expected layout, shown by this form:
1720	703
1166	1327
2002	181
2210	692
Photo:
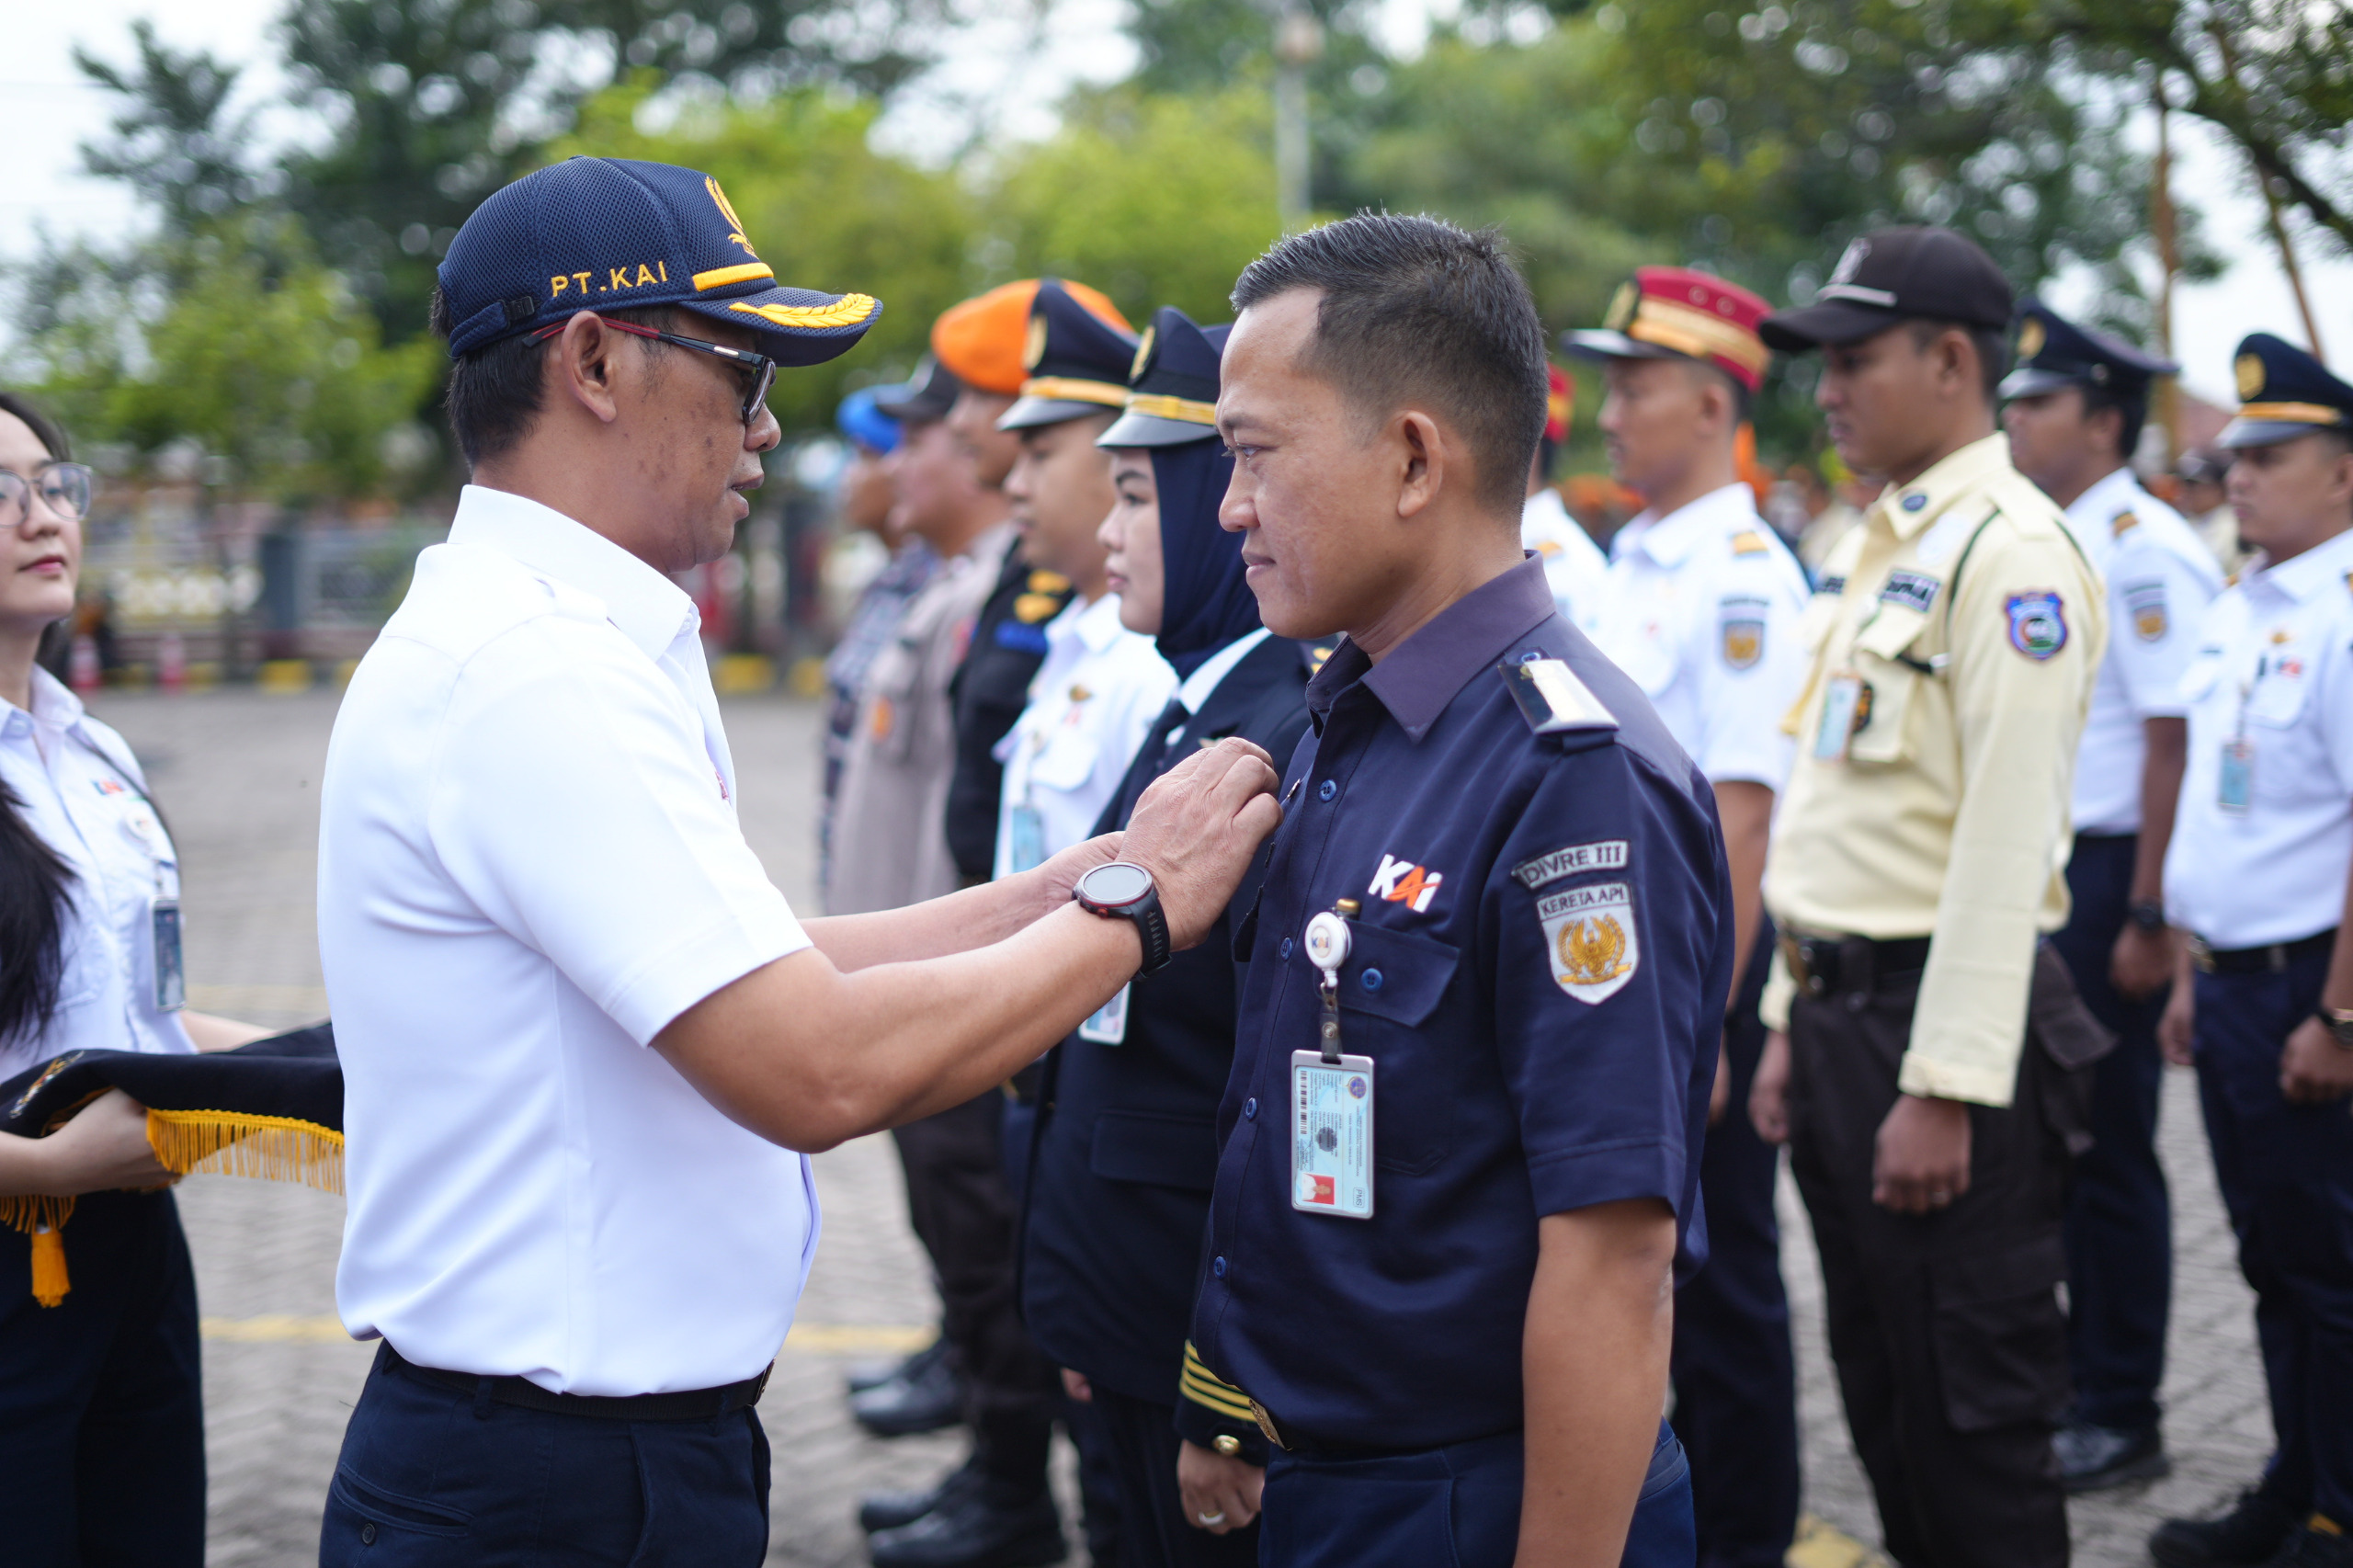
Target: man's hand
103	1147
2141	961
1075	1384
2315	1069
1768	1091
1221	1493
1196	829
2174	1027
1060	874
1923	1158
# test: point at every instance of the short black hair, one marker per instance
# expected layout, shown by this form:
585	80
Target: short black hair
45	430
1992	343
1413	307
1744	402
2132	413
493	392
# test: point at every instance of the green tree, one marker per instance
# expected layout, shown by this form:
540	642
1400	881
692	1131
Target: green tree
174	143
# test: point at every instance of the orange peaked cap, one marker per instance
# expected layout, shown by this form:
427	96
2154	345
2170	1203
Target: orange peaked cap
983	340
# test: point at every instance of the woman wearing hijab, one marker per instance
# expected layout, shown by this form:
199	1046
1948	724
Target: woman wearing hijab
1126	1145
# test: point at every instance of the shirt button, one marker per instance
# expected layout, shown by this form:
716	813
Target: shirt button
1250	1108
1217	1266
1285	949
1326	789
1372	978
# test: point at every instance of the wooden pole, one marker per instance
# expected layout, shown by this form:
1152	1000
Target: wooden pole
2222	37
2161	224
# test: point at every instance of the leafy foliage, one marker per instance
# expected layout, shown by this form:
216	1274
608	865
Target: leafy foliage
174	142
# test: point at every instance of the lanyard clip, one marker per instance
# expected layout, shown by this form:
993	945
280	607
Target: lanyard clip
1328	942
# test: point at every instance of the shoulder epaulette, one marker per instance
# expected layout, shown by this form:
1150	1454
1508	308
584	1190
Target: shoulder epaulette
2123	523
1748	541
1551	699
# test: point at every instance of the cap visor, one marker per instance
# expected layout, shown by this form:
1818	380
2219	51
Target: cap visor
2034	383
2241	433
1134	429
1600	343
1835	321
1029	412
795	326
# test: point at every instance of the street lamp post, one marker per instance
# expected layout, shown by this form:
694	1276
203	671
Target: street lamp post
1298	43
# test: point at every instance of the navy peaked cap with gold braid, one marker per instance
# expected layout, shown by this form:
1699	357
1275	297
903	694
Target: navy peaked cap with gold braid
2053	352
2284	392
615	234
1076	362
1172	395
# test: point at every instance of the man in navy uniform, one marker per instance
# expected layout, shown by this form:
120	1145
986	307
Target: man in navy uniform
1126	1143
2076	406
1460	1166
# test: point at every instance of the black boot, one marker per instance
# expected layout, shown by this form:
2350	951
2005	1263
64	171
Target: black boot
974	1528
925	1398
888	1510
874	1374
2252	1533
2094	1458
2309	1547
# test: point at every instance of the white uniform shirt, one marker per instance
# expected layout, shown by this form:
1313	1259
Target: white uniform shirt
528	865
1702	608
81	792
1573	564
1095	695
2160	580
2274	676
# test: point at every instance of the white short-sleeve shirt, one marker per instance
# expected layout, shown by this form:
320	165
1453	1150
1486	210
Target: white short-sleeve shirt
2273	680
1702	608
530	864
80	791
2160	580
1573	564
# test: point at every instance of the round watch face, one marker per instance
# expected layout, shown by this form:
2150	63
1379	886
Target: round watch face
1115	884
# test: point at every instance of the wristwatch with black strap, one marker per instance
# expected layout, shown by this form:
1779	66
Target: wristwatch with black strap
2148	914
1120	890
2339	1022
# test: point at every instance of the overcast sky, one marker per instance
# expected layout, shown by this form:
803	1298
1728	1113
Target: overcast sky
994	66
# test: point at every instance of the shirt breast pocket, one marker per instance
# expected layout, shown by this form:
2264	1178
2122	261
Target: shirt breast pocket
1894	678
2276	700
1066	763
889	718
1389	990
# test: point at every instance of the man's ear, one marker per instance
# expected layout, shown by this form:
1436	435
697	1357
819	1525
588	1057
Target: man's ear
1956	359
1426	455
581	364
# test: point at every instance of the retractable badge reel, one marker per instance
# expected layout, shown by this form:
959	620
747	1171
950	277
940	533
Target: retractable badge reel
1330	1159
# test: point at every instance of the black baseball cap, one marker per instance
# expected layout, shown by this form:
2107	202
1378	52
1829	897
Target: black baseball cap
927	396
620	234
1894	275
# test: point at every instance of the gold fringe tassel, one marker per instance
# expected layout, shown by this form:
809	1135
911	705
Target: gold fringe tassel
275	1148
42	1219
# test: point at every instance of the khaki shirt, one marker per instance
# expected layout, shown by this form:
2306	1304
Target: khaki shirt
1976	627
890	841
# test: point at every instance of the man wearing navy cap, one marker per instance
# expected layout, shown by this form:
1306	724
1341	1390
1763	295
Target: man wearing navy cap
1487	964
2260	875
580	1034
2076	406
1929	1059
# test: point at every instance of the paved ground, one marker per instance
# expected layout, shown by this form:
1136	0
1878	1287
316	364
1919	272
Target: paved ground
238	775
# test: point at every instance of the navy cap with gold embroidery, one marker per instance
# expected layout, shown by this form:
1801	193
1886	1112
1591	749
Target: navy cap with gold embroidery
1172	397
1076	360
2053	352
620	234
2284	392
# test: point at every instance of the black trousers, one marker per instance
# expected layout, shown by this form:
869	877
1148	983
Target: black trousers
101	1397
1946	1330
1735	1375
963	1212
2119	1218
1154	1531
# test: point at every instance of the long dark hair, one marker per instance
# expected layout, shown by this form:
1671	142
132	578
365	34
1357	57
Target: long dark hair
33	879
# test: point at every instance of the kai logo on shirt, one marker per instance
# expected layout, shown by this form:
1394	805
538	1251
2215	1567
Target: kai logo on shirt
1401	881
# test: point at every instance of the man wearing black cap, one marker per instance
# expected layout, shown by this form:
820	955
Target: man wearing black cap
2076	404
580	1253
1915	862
2258	875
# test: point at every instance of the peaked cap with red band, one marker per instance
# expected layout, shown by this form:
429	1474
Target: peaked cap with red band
1668	312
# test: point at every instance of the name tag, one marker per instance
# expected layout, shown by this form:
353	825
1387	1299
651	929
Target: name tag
1108	1025
1331	1144
171	979
2234	788
1842	701
1024	832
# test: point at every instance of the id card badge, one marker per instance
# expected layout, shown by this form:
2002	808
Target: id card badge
1842	698
2235	787
171	979
1108	1025
1331	1142
1025	838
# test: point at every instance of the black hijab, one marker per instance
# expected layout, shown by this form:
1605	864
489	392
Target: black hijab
1206	600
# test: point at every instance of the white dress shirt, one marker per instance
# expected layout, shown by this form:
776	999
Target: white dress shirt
1573	564
2160	580
528	865
2273	675
1209	672
1702	608
1095	695
81	792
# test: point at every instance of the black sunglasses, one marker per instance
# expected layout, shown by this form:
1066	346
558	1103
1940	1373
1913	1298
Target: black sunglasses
761	368
64	488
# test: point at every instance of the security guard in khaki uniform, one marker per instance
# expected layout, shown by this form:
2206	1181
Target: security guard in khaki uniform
1927	1047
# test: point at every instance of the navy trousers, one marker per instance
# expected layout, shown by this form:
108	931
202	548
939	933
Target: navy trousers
2119	1226
1140	1437
429	1475
1452	1508
2286	1171
101	1397
1735	1375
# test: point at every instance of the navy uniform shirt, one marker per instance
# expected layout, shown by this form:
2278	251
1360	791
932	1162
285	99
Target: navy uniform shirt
1530	1057
991	688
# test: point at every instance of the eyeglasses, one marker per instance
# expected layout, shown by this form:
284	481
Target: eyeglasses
761	368
63	488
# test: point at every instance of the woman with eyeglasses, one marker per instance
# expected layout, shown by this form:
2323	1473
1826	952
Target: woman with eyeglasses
101	1416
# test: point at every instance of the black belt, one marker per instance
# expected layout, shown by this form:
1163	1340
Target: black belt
2271	960
690	1404
1823	966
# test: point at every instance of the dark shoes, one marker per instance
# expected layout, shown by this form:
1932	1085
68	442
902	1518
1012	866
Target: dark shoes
927	1395
888	1510
967	1529
2253	1533
2093	1457
866	1375
2310	1548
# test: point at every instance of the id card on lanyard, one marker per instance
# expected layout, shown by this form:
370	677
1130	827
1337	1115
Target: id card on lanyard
2234	780
1331	1094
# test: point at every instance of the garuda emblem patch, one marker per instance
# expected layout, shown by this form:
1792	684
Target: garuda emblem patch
1589	937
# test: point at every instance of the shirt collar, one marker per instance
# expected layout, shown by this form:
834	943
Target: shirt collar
1426	671
650	610
1914	506
2300	577
2095	508
1670	539
54	706
1215	669
1095	625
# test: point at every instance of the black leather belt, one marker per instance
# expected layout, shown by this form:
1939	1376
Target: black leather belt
1823	966
2272	959
690	1404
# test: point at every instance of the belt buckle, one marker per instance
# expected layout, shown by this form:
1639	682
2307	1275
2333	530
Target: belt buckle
1267	1425
1793	955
